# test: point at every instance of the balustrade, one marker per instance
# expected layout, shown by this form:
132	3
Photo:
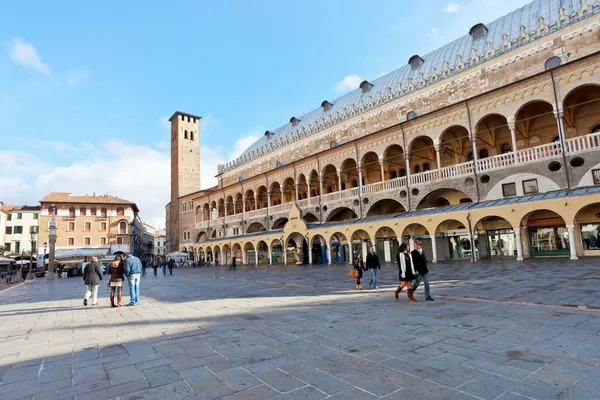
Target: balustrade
583	143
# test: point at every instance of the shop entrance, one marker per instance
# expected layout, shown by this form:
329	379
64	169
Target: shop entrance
547	234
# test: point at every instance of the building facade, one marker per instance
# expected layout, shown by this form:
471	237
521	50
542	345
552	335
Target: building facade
21	223
488	146
94	222
160	243
3	220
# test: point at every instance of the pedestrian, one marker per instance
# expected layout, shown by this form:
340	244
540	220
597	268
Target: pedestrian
360	267
133	269
171	266
155	265
115	283
420	260
407	271
24	271
144	268
92	275
373	265
233	262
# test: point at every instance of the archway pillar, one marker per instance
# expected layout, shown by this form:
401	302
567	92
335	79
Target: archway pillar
284	252
297	186
438	148
513	139
382	164
561	129
243	256
519	242
244	207
365	251
321	187
411	243
256	256
474	150
434	248
255	202
360	179
328	252
572	244
339	174
268	202
350	256
270	255
407	166
310	256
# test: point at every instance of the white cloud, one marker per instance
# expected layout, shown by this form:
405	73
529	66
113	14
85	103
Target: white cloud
164	121
451	8
243	143
350	82
433	32
210	158
76	76
26	55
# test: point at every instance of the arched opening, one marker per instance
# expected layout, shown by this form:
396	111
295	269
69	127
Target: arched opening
587	221
226	254
318	250
82	211
455	146
349	172
330	179
201	237
250	200
302	187
582	111
414	232
214	212
341	214
535	124
256	227
72	212
209	255
385	207
239	204
495	237
339	248
205	212
221	208
263	252
120	212
310	218
492	130
229	205
217	255
386	244
315	190
122	227
276	252
237	253
452	241
422	155
279	223
443	197
547	234
103	212
296	249
371	169
361	242
261	197
289	190
394	162
275	194
250	254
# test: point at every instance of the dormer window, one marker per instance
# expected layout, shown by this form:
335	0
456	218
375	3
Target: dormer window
411	115
242	178
269	134
478	31
294	121
366	86
415	62
326	105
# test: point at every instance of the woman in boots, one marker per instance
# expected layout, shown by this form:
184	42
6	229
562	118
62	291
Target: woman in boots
360	267
115	283
407	271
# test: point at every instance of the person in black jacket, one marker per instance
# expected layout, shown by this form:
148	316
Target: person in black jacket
373	265
418	257
92	275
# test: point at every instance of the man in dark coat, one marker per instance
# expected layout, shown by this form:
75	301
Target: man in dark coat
92	275
373	265
420	261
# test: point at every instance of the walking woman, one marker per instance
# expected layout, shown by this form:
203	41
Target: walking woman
360	267
407	271
115	283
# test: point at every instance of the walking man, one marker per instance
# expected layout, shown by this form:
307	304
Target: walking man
144	267
133	270
373	265
420	261
171	266
92	275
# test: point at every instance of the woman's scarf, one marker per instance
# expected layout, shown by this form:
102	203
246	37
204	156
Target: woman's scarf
403	264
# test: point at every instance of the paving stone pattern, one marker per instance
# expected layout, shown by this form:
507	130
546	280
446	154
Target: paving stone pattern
497	330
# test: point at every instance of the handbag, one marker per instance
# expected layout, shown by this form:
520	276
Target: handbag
353	273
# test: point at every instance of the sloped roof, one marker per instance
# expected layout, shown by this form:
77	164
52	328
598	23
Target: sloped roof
537	18
66	197
7	208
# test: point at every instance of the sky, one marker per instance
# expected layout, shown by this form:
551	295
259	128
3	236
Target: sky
86	88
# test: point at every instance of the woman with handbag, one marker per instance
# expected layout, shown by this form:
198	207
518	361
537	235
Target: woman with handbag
115	283
407	271
357	270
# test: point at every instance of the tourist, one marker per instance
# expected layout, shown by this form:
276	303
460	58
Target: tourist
359	266
171	266
92	275
115	283
407	271
373	265
233	262
163	266
133	269
144	268
418	257
155	265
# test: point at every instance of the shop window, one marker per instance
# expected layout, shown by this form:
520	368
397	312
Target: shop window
505	148
509	189
483	153
596	176
590	236
530	186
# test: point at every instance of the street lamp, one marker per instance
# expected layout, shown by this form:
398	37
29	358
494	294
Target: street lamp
44	259
52	239
30	276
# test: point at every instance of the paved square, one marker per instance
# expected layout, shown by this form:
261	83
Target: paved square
496	330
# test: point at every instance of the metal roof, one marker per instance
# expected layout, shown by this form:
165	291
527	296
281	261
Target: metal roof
395	84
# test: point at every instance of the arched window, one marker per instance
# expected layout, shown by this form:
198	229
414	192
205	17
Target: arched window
185	136
72	212
120	212
556	139
552	63
354	183
82	211
411	115
483	153
505	148
51	210
402	171
330	189
103	213
191	135
417	169
470	156
426	167
93	211
122	227
596	129
394	174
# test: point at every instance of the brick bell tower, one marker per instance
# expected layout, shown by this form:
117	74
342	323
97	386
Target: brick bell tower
185	167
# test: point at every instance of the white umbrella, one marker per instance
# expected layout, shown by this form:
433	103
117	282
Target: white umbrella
22	262
78	253
6	260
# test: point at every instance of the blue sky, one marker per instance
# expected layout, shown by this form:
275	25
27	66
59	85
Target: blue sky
86	87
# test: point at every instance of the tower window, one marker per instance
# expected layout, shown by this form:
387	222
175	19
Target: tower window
191	135
185	135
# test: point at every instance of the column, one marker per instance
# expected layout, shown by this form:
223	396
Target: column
360	180
572	246
255	256
438	157
255	203
339	180
328	252
387	251
270	256
310	259
513	139
474	149
203	212
243	256
225	205
244	207
407	166
268	202
434	249
365	251
308	188
519	244
350	253
282	196
284	253
382	165
561	129
296	186
411	243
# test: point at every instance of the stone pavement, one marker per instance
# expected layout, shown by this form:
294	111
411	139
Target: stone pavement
497	330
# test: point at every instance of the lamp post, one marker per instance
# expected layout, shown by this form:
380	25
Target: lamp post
44	258
52	239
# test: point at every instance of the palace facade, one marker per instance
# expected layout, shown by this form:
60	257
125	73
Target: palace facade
486	147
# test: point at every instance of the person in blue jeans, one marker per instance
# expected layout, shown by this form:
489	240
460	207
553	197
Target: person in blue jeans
133	271
163	265
373	265
421	266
